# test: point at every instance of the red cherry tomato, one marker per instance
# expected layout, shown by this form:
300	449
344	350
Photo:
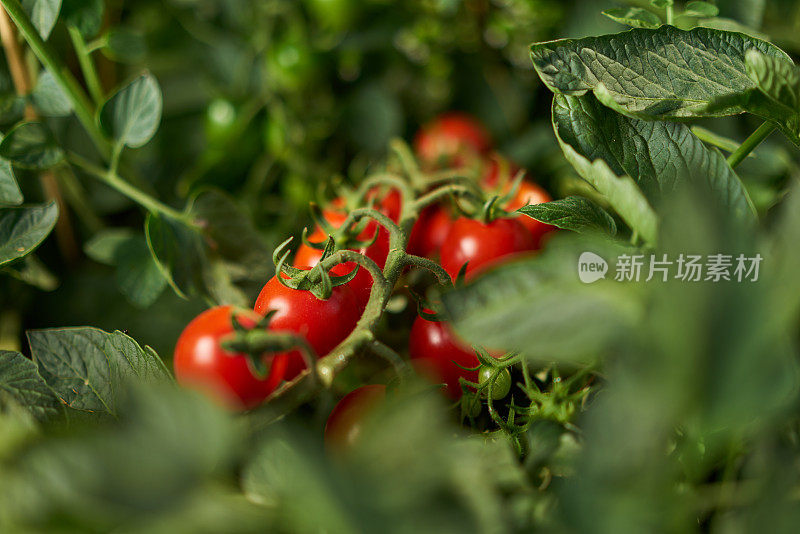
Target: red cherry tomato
437	355
483	244
201	363
531	193
323	323
344	425
451	140
430	231
527	193
494	164
307	257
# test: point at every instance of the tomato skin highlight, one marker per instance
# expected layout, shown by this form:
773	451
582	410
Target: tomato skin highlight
201	363
451	140
345	422
436	354
430	231
323	323
483	244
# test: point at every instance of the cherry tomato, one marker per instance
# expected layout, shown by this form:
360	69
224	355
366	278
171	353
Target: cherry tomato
439	356
201	363
501	386
307	256
530	193
452	139
323	323
491	175
430	231
345	422
483	244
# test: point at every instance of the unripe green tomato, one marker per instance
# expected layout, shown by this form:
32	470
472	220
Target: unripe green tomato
220	121
502	384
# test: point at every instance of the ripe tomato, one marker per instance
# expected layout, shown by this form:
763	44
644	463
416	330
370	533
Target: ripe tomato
451	140
436	354
307	257
493	166
430	231
201	363
346	420
482	244
527	193
323	323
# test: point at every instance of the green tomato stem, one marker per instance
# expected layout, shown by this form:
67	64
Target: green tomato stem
750	144
424	263
87	65
113	180
61	73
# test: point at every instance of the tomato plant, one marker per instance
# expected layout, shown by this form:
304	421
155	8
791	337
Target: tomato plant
346	421
451	139
323	323
430	231
201	361
438	355
479	245
155	157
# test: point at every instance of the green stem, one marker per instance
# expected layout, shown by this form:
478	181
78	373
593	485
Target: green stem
87	65
670	15
750	144
80	102
430	265
116	182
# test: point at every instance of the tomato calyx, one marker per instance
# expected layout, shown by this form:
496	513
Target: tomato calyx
345	237
317	279
258	341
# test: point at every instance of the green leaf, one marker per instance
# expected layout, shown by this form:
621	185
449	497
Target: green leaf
152	463
86	15
24	229
138	275
48	97
655	74
660	156
9	190
43	14
574	213
125	45
179	252
230	233
662	4
88	368
31	145
777	97
696	8
132	115
33	272
621	191
12	108
635	17
563	318
20	378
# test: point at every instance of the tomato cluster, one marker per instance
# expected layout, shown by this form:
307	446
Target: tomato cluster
464	242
